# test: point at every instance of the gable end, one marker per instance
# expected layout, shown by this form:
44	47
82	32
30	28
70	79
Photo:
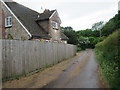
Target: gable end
16	18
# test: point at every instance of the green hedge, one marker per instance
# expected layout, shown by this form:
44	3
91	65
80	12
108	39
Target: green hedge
108	56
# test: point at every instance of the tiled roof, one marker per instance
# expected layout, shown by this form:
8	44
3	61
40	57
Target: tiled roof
63	36
28	18
46	14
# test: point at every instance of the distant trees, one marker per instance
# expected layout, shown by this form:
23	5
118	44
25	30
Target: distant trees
66	28
90	37
88	33
98	26
83	42
83	38
112	25
71	34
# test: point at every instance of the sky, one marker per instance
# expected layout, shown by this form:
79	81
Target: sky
79	14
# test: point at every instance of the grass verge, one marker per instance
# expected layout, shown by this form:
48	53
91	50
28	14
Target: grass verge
107	53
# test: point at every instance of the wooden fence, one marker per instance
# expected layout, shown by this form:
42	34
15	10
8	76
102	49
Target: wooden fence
20	57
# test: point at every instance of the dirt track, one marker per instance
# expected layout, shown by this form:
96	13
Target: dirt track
80	71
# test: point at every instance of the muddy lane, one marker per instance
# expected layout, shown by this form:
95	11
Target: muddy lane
81	73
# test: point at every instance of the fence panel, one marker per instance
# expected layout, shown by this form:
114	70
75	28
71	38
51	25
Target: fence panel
20	57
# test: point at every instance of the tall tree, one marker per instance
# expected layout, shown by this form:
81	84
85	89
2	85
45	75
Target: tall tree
98	25
112	25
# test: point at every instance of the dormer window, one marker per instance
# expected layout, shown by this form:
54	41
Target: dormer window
8	21
54	25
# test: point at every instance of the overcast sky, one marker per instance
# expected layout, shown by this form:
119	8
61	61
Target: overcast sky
79	14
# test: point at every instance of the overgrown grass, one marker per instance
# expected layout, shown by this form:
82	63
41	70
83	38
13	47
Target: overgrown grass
107	53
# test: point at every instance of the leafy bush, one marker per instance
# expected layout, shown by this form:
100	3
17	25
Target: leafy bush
71	34
112	25
88	42
78	49
107	53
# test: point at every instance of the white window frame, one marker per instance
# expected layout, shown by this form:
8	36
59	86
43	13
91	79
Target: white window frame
54	25
8	21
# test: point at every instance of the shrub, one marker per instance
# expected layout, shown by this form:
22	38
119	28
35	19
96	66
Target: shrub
107	53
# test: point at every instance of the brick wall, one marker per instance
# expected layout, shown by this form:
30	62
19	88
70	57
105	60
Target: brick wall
2	22
16	31
54	33
3	25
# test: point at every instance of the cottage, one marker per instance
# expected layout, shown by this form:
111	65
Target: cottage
22	23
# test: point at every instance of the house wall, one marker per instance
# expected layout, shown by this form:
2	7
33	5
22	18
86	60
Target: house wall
2	22
16	31
54	33
64	41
